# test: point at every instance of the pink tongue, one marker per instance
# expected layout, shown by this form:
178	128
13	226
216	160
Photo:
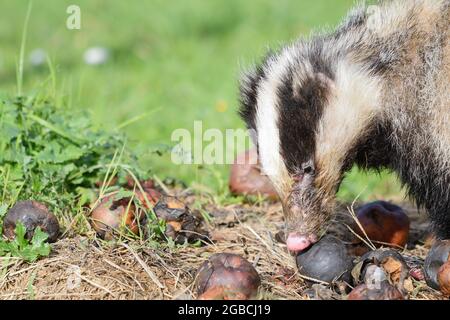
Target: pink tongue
296	243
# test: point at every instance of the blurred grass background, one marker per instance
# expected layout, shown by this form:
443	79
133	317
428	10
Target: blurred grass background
180	57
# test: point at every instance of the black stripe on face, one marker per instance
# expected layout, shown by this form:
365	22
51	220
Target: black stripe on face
248	96
299	115
248	92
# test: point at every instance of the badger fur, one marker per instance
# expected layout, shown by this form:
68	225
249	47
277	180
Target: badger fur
374	92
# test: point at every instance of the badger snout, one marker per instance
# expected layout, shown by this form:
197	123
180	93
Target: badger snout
297	242
301	229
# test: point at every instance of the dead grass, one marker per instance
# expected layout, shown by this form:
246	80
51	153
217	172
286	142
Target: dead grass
84	268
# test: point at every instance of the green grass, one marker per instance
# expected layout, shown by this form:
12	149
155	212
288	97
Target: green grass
181	58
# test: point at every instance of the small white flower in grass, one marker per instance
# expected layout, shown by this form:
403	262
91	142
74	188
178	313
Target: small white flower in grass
37	57
96	55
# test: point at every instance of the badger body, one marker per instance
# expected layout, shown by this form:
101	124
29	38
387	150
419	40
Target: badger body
374	92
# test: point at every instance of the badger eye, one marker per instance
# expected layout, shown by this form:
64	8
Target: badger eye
308	168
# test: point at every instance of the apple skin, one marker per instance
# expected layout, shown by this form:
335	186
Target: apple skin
444	278
246	177
31	214
148	198
438	255
227	276
385	291
182	224
327	260
111	215
384	223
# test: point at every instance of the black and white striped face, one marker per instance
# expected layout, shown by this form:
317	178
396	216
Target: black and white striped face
307	117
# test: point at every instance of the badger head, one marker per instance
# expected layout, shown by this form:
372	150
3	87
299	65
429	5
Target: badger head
308	109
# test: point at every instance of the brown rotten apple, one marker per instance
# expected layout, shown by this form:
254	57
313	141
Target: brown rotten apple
226	276
246	177
378	266
148	198
112	215
181	224
438	255
444	278
384	291
327	260
31	214
384	223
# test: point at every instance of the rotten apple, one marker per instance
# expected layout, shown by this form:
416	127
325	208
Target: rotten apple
181	224
384	223
327	260
438	255
111	216
31	214
379	266
384	291
444	278
227	276
246	177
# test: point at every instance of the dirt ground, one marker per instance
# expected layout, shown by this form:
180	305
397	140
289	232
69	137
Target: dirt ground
84	268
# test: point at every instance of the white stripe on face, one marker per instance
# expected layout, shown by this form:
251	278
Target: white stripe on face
353	103
266	124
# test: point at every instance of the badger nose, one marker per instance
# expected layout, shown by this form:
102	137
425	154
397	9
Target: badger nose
296	242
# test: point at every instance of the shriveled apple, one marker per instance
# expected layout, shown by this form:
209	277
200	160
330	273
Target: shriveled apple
226	276
438	255
384	224
327	260
111	216
31	214
246	177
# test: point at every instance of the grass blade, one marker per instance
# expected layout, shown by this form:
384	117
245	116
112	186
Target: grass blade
136	118
22	51
53	128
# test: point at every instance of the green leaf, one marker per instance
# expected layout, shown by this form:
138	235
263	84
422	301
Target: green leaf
20	236
122	193
50	153
22	248
38	245
8	131
4	248
3	210
53	128
39	237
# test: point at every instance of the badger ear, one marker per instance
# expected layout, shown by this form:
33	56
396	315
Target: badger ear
248	87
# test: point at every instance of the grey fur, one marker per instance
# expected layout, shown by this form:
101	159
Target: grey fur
403	46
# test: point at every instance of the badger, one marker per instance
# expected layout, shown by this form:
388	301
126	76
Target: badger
374	92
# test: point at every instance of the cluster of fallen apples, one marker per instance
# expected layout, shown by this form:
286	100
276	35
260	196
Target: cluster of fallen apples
381	274
111	216
357	272
330	265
